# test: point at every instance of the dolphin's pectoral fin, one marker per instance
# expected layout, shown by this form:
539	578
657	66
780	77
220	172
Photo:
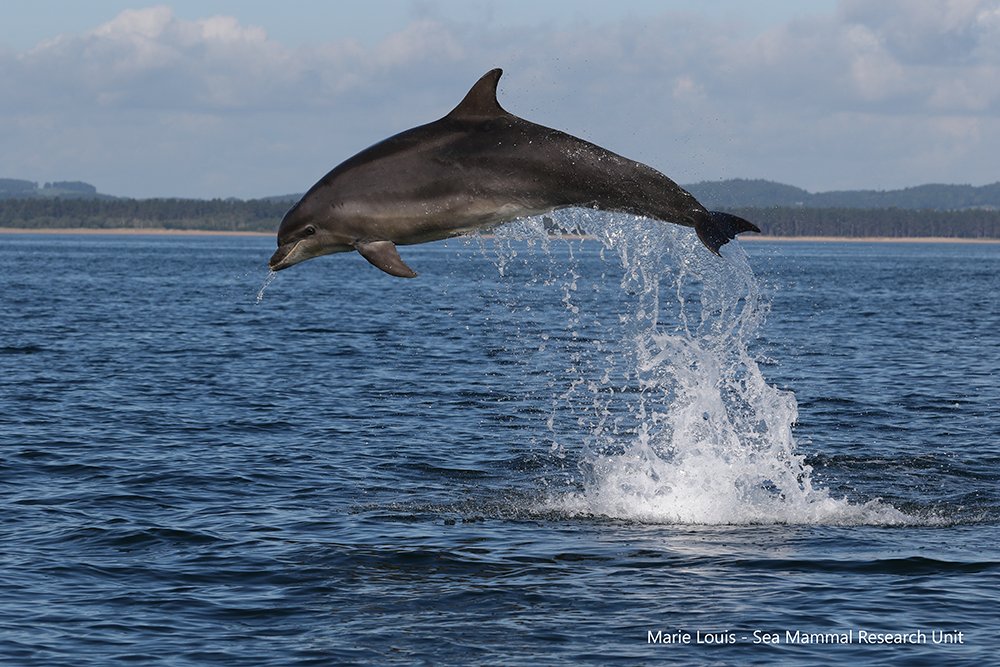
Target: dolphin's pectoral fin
383	255
721	228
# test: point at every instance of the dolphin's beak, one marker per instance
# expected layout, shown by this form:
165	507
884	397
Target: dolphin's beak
284	257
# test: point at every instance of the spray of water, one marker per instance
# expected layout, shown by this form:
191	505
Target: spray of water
245	281
271	275
682	426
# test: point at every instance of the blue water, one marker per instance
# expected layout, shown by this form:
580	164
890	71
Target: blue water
537	452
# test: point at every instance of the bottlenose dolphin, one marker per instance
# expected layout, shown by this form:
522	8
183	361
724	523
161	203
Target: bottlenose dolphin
477	167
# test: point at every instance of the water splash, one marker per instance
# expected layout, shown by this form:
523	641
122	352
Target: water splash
682	426
271	275
242	288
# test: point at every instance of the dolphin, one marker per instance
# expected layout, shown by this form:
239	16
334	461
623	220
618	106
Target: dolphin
476	168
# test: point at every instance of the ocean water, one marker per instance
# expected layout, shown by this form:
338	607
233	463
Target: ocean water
618	450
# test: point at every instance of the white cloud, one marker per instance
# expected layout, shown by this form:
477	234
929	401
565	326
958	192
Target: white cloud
893	93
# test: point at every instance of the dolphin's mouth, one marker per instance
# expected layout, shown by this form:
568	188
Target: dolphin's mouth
294	252
285	257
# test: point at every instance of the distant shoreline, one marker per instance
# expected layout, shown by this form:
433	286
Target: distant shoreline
756	237
129	231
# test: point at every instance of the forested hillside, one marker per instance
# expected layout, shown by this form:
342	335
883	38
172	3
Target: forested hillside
860	223
212	215
740	192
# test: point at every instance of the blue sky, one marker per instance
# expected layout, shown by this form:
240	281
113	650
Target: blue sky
221	98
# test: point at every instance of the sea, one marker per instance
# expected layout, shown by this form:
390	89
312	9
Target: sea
607	448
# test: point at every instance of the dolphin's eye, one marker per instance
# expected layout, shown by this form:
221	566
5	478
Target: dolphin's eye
309	231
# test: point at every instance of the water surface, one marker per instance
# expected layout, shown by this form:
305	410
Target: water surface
537	452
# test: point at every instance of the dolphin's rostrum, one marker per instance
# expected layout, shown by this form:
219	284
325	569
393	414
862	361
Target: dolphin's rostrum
477	167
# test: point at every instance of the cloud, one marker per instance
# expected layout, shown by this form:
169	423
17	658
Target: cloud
150	59
895	93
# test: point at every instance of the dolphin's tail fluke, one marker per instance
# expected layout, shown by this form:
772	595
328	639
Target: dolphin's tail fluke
721	228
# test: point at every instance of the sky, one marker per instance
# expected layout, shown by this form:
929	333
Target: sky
226	98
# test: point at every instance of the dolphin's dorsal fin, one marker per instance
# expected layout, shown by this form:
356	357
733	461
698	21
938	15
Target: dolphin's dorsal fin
481	102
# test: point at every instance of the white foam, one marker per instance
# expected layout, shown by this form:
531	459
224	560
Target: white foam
706	439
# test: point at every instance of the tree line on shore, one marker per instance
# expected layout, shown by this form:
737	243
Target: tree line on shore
234	215
759	193
258	215
874	222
